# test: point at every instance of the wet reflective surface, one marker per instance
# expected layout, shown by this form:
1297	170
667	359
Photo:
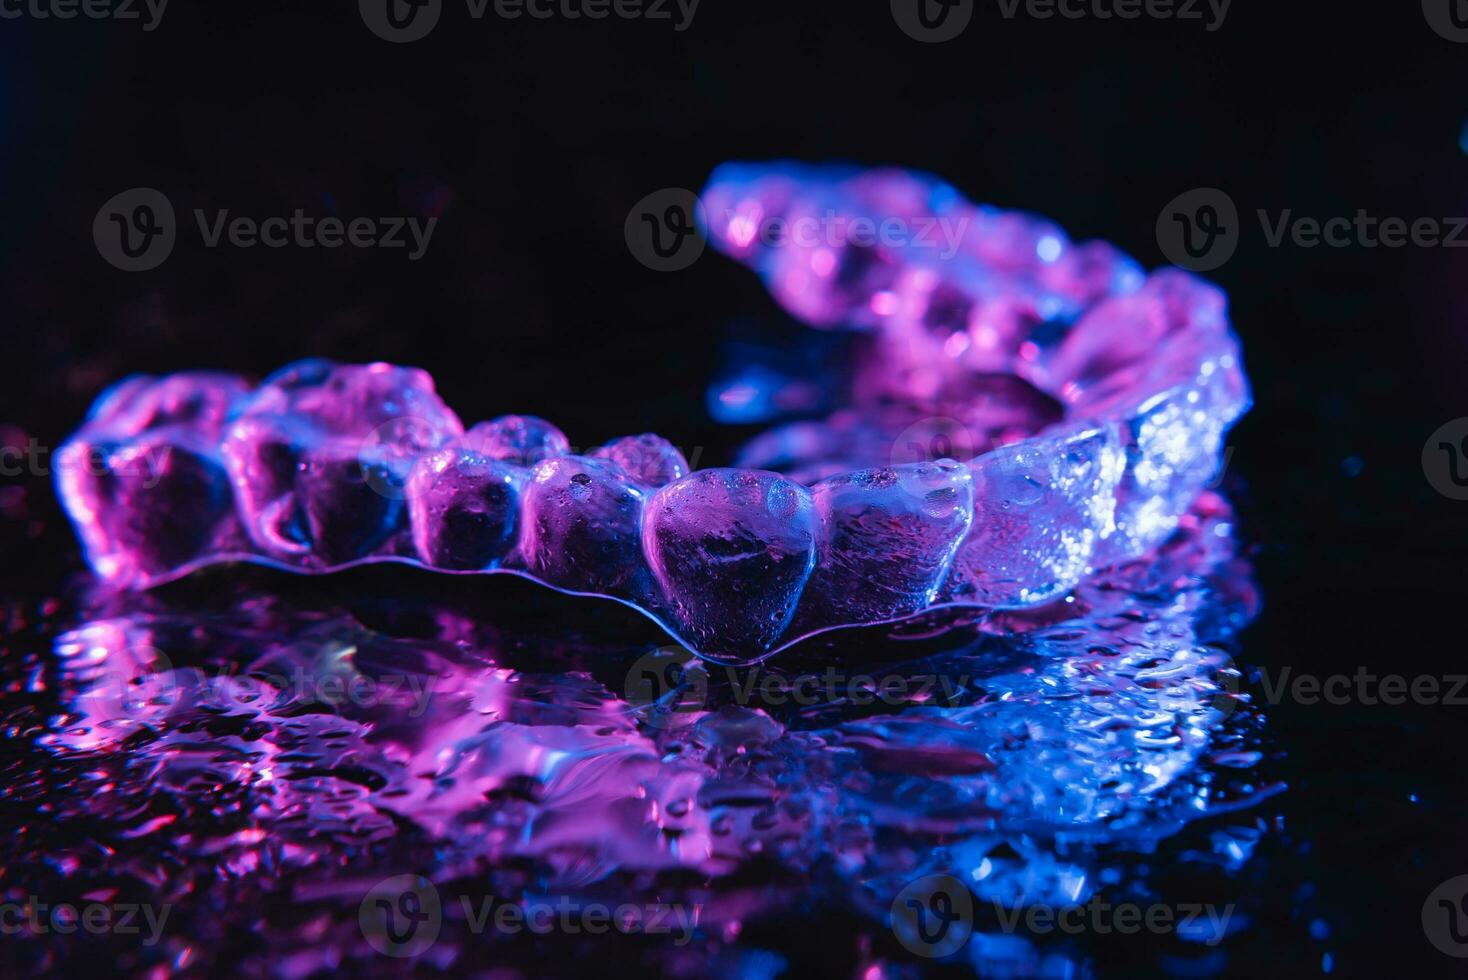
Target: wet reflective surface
298	782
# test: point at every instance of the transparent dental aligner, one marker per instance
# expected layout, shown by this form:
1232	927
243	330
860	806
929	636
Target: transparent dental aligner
1026	410
144	480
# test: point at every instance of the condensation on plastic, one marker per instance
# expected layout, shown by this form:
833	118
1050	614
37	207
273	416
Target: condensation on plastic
1093	400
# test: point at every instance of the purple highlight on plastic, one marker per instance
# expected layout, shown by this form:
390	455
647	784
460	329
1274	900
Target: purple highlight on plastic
1083	402
290	739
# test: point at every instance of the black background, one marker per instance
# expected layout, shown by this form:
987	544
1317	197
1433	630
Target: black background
540	136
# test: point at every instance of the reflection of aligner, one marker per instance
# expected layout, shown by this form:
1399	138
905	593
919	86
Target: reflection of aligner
1073	717
1093	400
121	681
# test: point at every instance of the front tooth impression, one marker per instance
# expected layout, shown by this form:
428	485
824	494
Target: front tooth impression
651	459
520	439
464	509
580	525
888	537
143	479
1040	508
319	456
731	550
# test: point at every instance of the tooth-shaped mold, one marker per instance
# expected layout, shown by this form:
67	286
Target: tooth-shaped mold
464	508
651	460
887	540
1150	358
581	519
1163	362
1090	271
1174	444
520	439
732	551
1114	350
1092	401
1040	509
319	456
346	507
143	479
924	257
